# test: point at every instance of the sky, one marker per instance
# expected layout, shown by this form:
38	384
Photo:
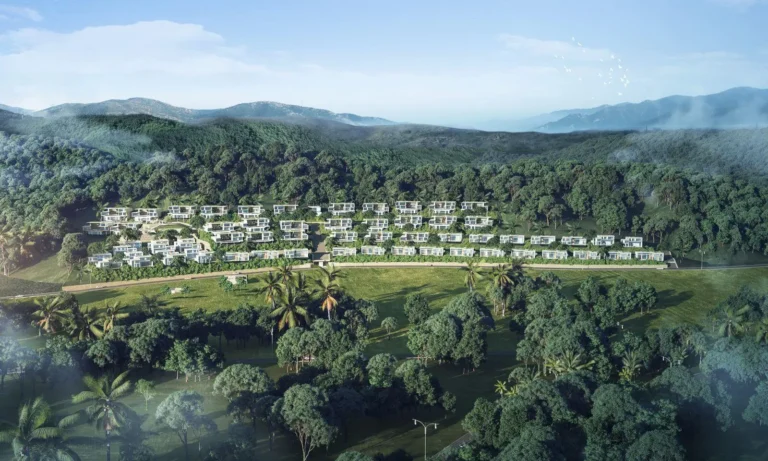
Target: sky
457	63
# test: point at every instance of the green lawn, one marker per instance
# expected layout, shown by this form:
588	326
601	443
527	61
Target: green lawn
49	271
684	296
12	286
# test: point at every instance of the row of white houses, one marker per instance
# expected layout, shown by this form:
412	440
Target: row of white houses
582	255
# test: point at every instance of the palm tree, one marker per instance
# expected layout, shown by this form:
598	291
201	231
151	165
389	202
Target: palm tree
285	274
290	309
114	312
573	227
733	320
332	275
34	438
86	323
472	276
271	288
630	364
50	313
329	291
105	410
761	333
572	361
501	275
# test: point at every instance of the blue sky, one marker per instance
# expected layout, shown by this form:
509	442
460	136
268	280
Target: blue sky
450	62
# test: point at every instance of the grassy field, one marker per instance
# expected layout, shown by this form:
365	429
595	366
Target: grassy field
684	296
49	271
11	286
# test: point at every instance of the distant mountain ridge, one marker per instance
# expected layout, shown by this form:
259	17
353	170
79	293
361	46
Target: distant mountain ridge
734	108
16	110
255	110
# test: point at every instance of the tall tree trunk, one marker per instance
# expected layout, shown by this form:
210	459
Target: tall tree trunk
109	447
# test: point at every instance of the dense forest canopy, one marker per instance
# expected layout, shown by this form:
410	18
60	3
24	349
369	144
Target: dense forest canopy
49	182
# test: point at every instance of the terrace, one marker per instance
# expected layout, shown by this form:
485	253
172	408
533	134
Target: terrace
512	239
443	207
139	260
377	223
265	254
343	251
431	251
480	238
98	228
462	252
404	251
249	211
415	237
115	214
554	254
236	257
574	241
402	221
260	237
619	255
471	206
370	250
491	253
345	236
284	208
293	226
379	236
584	255
649	256
543	239
442	222
378	208
145	215
338	224
296	253
604	240
294	235
255	224
341	208
225	226
451	238
213	211
632	242
181	211
477	222
523	254
227	237
407	207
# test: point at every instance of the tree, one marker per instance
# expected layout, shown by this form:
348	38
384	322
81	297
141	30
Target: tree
472	275
72	252
381	370
354	456
290	309
115	311
105	409
182	412
86	323
656	445
35	438
50	313
305	411
239	378
329	291
285	274
389	324
733	320
757	409
271	288
146	389
416	309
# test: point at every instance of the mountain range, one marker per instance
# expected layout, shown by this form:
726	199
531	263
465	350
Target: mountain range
253	110
734	108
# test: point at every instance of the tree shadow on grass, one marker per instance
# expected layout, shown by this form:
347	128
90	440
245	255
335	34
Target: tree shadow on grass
96	296
671	298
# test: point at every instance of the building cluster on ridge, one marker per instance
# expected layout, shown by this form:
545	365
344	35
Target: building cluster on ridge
408	216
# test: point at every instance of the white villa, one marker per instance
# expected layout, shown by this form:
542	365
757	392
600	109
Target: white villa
159	246
137	260
604	240
227	237
377	223
451	238
431	251
442	207
491	253
236	257
212	211
294	235
343	251
338	224
416	237
249	211
404	251
183	244
344	236
265	254
145	215
477	222
619	255
524	254
574	241
226	226
115	214
404	220
104	261
371	250
284	208
127	247
181	211
255	224
649	256
554	254
480	238
200	256
442	222
293	226
461	251
316	209
632	242
260	237
471	206
407	207
296	253
98	228
586	255
513	239
378	208
543	239
341	208
379	236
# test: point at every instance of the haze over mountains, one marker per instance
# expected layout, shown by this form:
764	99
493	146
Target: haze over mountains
735	108
262	109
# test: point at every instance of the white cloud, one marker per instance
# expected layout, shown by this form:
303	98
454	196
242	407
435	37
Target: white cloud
9	11
550	48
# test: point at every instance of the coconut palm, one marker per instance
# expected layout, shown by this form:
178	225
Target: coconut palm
761	331
34	437
285	274
50	313
733	321
114	312
573	227
329	293
271	288
572	361
105	410
86	323
290	309
501	276
332	275
472	275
